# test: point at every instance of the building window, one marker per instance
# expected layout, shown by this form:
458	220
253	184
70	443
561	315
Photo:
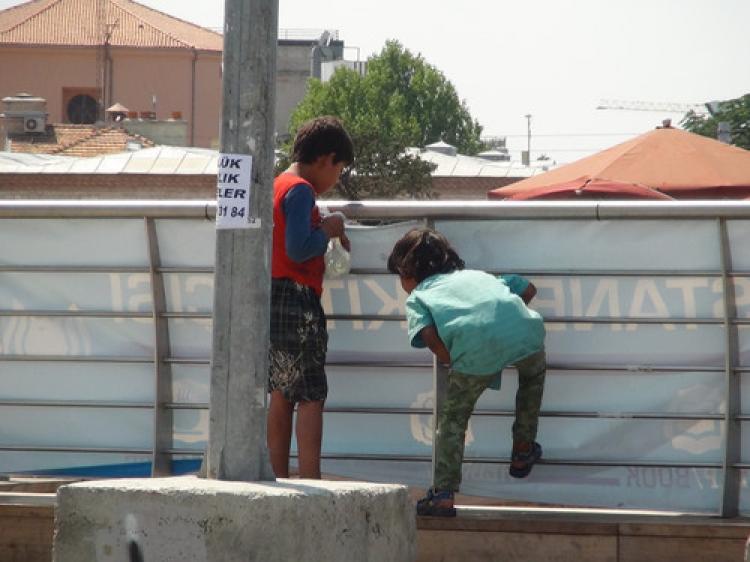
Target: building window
81	105
82	109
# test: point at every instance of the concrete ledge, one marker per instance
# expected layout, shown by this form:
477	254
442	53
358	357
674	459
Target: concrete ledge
189	519
517	535
481	534
26	533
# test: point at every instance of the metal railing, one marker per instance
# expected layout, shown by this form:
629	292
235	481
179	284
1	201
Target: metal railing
164	405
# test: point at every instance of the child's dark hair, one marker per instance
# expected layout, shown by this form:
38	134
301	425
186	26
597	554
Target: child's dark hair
321	136
423	252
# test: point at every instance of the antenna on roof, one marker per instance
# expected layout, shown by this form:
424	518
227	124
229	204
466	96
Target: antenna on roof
104	32
325	39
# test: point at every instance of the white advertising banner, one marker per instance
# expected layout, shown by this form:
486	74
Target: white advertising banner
635	393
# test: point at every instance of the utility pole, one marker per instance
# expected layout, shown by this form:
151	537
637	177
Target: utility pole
242	280
528	139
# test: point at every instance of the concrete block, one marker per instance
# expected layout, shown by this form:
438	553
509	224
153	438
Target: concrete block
187	519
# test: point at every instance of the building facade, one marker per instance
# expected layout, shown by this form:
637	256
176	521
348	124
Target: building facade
83	56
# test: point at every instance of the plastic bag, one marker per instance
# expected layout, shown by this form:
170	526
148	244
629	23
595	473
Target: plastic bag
337	259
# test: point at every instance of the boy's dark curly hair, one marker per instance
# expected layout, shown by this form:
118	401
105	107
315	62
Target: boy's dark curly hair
423	252
321	136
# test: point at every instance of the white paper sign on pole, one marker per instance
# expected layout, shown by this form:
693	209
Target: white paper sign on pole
233	208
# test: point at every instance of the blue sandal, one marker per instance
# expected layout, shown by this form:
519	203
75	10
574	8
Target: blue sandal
528	459
430	504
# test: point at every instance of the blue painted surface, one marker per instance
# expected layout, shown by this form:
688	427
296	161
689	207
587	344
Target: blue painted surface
125	470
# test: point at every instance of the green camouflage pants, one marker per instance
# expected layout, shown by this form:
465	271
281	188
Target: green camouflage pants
461	396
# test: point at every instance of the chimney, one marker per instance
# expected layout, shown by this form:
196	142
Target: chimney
666	124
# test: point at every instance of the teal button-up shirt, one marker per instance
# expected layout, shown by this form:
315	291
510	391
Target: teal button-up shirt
481	319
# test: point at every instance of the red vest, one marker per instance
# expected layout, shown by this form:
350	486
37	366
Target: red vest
310	272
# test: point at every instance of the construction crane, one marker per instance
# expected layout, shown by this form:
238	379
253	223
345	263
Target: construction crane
664	107
723	129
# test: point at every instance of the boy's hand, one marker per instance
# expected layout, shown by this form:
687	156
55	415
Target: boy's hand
345	242
333	226
432	340
529	293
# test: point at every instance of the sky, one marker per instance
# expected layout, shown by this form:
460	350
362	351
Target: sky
552	59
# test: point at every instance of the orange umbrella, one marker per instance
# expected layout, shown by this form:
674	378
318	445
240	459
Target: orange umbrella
590	189
670	160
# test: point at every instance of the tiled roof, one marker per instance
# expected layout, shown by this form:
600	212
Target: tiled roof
83	23
77	140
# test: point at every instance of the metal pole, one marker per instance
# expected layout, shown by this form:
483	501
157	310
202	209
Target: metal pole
440	384
161	462
732	426
528	136
242	284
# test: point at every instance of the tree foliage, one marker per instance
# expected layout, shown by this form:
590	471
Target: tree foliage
402	101
383	169
419	98
735	112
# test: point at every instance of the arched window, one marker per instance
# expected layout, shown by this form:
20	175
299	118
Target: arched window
82	109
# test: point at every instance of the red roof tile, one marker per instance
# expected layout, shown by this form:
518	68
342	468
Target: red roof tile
77	140
83	23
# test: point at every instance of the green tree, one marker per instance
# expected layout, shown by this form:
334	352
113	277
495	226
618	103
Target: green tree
421	99
735	112
400	102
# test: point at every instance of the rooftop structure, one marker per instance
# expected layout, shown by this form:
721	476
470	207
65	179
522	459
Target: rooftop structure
86	22
78	140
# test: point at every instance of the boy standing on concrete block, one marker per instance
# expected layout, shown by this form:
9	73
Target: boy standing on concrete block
321	150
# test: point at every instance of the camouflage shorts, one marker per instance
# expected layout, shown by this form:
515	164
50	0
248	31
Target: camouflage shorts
299	342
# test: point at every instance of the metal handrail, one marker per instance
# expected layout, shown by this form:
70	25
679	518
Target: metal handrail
367	317
386	457
543	461
572	367
469	210
76	359
76	404
99	209
411	411
97	269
